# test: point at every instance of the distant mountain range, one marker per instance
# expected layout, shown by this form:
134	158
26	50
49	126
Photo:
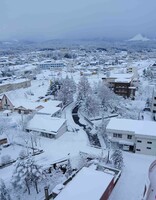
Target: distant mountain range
139	37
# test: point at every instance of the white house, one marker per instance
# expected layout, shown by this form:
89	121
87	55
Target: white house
134	135
47	126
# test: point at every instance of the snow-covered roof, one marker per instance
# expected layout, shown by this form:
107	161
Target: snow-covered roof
24	67
45	123
121	76
137	127
49	110
6	111
51	103
87	184
122	80
25	104
14	81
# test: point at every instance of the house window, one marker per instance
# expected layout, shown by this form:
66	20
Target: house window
114	135
154	111
148	147
139	141
117	135
138	150
149	142
154	104
129	136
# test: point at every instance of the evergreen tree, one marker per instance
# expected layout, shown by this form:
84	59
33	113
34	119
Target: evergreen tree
117	159
54	87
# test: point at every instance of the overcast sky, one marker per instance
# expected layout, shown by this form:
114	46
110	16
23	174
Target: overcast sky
76	19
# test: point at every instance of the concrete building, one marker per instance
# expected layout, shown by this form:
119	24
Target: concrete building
153	104
133	135
50	64
121	84
134	71
14	84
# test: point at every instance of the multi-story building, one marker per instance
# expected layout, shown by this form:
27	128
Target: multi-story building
153	104
121	84
134	135
49	64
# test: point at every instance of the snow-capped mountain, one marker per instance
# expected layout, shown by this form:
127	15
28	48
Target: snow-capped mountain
139	37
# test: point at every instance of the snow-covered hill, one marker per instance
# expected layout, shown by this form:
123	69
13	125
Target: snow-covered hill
139	37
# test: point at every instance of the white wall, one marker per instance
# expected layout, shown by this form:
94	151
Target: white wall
62	130
143	146
124	135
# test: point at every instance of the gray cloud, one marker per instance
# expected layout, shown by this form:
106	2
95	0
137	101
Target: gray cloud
48	19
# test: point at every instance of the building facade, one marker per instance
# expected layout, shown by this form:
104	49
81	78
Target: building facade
13	85
133	135
153	104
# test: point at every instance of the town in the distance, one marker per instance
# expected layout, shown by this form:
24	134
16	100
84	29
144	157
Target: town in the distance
78	120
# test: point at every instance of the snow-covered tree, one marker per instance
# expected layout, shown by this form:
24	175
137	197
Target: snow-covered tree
144	92
117	159
67	90
84	89
129	109
27	173
54	87
148	73
68	169
22	154
4	193
105	95
4	124
91	105
24	120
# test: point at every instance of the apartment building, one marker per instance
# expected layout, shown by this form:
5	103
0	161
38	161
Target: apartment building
138	136
153	104
121	84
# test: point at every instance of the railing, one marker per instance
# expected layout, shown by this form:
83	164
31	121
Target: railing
152	166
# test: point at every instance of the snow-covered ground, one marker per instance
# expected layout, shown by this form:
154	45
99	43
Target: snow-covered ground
131	184
134	176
